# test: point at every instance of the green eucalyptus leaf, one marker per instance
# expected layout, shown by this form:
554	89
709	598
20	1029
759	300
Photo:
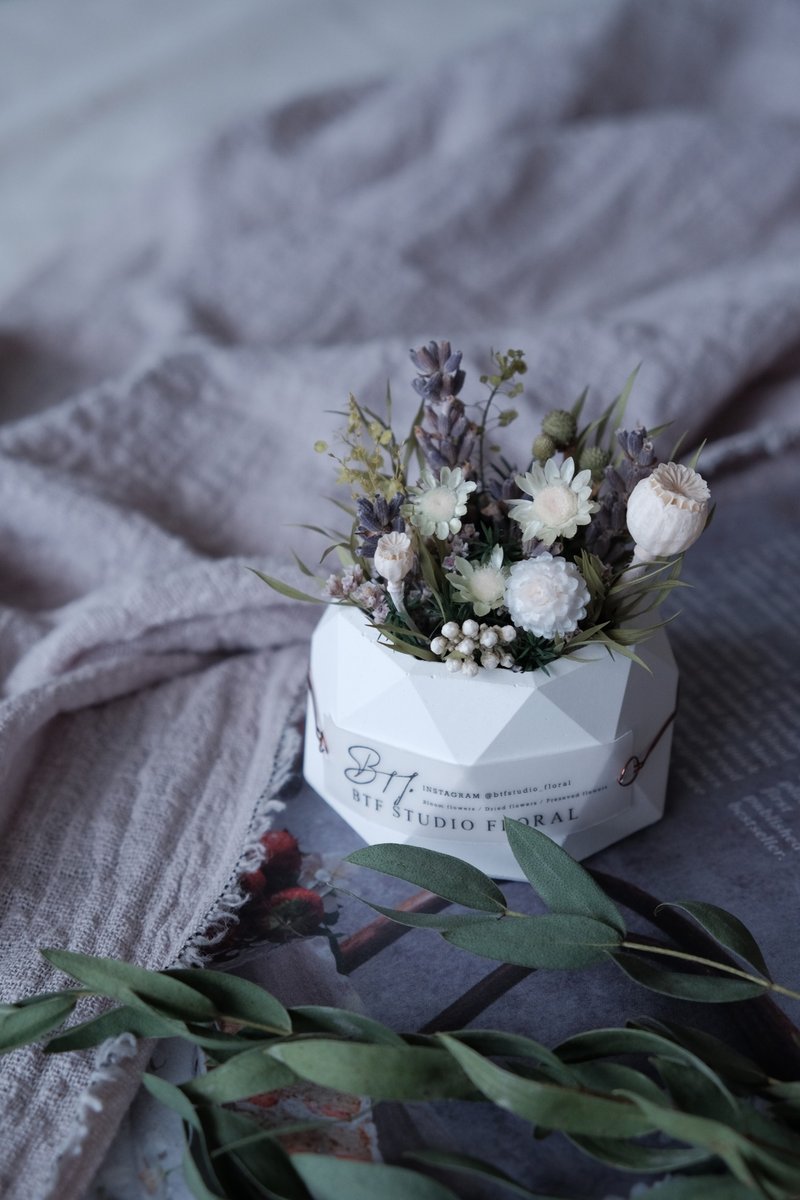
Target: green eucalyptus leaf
692	1083
27	1001
437	921
787	1094
125	1019
612	1076
474	1166
253	1133
27	1023
315	1018
552	942
247	1074
632	1156
242	1150
549	1105
703	989
237	999
601	1043
497	1043
726	929
562	883
728	1063
195	1182
695	1089
172	1097
638	1038
713	1136
701	1187
133	985
774	1139
442	874
335	1178
382	1072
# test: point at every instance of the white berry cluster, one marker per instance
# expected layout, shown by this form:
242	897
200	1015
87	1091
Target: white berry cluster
458	645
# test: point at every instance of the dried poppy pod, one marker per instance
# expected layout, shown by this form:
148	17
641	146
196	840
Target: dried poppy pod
667	512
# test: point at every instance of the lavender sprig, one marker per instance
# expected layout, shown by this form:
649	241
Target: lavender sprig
377	517
445	435
608	536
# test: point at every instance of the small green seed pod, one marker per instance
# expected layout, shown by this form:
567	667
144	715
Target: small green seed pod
594	459
561	426
543	448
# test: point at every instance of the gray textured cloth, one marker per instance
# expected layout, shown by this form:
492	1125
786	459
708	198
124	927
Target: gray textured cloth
619	186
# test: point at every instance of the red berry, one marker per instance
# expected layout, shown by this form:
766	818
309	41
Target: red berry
296	909
282	860
253	881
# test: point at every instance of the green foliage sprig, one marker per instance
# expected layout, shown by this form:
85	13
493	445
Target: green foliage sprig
718	1113
583	927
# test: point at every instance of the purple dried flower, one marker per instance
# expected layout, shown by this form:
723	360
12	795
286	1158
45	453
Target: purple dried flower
446	436
607	536
339	587
439	370
377	517
372	597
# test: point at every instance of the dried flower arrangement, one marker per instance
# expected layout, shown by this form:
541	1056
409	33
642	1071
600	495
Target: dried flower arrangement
456	555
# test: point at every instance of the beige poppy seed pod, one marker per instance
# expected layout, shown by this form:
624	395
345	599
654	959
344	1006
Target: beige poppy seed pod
394	556
667	512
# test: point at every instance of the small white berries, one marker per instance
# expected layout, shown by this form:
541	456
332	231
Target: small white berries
458	644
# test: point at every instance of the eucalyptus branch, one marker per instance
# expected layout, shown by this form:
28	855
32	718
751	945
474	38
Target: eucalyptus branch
584	926
712	1107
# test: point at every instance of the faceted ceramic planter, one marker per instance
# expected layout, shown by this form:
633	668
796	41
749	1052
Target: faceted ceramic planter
405	751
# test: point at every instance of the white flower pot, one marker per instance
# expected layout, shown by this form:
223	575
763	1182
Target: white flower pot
405	751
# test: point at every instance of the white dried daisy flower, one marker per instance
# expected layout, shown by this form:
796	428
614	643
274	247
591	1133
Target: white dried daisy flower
482	585
667	511
438	504
394	556
547	596
560	501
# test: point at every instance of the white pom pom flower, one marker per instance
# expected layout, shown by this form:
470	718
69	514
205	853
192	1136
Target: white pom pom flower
438	504
667	511
482	585
547	596
560	501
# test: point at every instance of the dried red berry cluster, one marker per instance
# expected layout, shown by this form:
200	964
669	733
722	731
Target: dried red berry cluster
278	907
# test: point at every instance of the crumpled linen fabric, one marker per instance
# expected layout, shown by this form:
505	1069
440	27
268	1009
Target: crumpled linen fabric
614	185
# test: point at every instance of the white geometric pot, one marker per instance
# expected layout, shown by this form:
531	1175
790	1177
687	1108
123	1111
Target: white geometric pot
405	751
